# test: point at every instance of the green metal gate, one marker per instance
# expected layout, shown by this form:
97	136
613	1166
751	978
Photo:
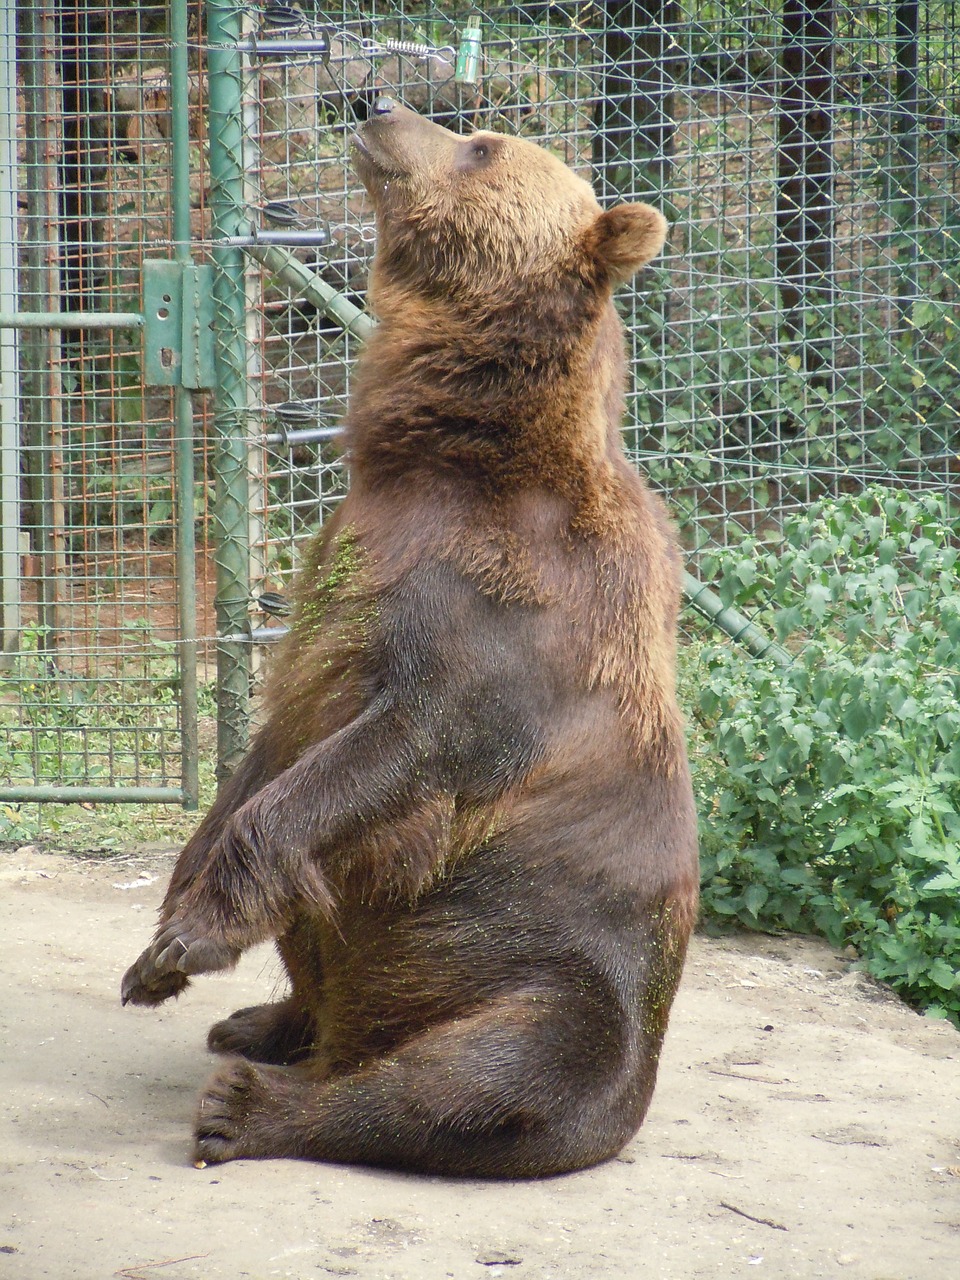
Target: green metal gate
98	684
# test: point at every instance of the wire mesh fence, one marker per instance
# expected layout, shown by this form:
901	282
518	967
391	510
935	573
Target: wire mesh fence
91	678
799	339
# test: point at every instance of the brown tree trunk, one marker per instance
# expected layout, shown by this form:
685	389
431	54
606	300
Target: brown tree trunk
633	116
805	203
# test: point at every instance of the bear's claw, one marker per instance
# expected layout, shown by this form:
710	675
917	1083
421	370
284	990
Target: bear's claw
135	990
165	967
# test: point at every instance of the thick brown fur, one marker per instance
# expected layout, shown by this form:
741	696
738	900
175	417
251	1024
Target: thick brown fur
468	820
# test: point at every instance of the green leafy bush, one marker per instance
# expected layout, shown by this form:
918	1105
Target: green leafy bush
830	789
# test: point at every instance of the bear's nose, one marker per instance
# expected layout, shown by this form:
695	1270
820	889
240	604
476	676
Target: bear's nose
384	105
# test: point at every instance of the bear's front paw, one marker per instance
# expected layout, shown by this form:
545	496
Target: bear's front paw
164	969
142	985
222	1127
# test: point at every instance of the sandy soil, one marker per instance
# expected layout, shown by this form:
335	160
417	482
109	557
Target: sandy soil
806	1124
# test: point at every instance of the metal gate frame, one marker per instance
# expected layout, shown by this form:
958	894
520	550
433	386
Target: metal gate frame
40	322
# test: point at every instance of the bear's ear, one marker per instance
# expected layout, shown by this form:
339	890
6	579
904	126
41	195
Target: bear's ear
623	238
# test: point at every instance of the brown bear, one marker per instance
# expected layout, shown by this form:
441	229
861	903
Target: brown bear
468	821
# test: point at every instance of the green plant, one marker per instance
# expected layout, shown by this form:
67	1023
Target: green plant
60	727
830	790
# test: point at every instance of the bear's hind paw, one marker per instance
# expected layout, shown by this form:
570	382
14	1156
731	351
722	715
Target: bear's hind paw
279	1033
222	1115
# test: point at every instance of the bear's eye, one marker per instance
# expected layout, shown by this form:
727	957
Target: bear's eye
475	155
481	151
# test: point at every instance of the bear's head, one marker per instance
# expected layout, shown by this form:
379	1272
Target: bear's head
489	217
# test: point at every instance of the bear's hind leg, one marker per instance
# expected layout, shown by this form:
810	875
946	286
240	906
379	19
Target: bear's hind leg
510	1092
279	1033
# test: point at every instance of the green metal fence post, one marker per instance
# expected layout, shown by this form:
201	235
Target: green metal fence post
733	623
313	288
183	418
231	516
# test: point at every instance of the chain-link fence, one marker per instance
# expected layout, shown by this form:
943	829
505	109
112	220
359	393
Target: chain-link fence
800	338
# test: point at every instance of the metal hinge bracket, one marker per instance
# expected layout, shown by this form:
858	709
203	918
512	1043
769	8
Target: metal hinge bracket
178	325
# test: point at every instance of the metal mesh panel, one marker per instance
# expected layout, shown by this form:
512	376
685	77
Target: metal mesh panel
809	343
91	679
798	339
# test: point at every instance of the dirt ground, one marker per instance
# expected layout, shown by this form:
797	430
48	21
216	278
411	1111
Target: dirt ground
806	1124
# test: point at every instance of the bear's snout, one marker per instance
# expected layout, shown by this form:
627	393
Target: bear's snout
395	142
